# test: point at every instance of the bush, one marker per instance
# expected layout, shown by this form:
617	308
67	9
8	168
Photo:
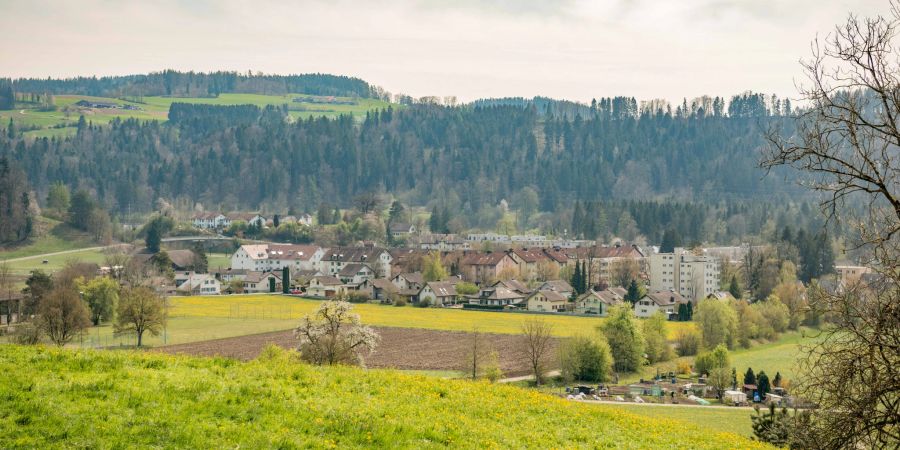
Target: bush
492	370
687	342
357	297
683	368
585	358
27	334
715	359
400	301
424	303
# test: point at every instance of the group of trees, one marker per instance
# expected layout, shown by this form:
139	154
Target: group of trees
7	95
199	84
66	304
17	213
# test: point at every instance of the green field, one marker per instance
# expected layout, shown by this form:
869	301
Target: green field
51	236
778	356
731	420
69	399
277	307
218	261
157	108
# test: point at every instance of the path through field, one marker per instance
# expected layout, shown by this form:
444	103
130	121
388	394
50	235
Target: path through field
76	250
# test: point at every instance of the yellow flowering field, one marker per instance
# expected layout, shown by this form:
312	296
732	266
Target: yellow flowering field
275	306
58	398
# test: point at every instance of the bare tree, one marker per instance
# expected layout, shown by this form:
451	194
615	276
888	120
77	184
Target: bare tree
366	202
537	339
334	335
847	143
62	315
474	357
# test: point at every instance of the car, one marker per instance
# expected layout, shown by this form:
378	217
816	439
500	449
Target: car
296	292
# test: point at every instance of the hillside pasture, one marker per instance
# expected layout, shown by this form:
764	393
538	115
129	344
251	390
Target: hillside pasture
57	398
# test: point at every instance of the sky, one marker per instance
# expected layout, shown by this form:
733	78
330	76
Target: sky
568	49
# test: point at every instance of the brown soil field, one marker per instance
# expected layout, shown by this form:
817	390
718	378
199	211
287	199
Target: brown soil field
400	348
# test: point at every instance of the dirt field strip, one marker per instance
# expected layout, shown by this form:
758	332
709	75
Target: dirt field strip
400	348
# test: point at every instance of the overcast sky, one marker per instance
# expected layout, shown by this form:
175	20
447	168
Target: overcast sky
469	48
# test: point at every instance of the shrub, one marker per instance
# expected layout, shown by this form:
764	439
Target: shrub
715	359
683	368
357	297
27	334
585	358
492	370
687	342
424	303
400	301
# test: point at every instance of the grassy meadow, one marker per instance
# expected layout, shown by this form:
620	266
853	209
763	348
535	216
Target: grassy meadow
731	420
63	120
278	307
67	399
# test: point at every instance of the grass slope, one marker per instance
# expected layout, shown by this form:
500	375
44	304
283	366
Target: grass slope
58	398
734	420
276	307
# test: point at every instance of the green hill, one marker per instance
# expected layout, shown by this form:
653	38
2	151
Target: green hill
61	398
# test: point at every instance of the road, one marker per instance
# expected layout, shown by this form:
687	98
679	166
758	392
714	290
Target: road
44	255
550	374
675	405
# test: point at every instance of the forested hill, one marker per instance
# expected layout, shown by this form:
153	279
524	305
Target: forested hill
198	84
468	157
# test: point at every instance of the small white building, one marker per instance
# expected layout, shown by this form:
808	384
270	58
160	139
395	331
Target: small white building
210	220
547	301
665	301
257	282
356	274
439	293
325	286
197	284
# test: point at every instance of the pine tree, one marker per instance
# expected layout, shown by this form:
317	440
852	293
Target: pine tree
762	384
749	377
734	288
634	293
773	427
576	278
285	280
777	380
585	278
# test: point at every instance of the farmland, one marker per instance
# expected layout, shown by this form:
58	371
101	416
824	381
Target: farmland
65	398
265	306
399	348
63	120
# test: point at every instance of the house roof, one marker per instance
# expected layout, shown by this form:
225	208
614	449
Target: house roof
326	280
530	255
551	296
442	288
353	254
181	258
666	298
292	251
603	252
412	277
484	259
513	285
556	255
384	284
206	215
501	293
352	269
256	277
243	216
400	227
257	251
558	286
306	273
605	296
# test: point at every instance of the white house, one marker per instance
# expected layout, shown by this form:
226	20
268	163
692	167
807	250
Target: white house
197	284
259	282
273	257
356	274
250	218
439	293
325	286
336	258
665	301
210	220
547	301
598	302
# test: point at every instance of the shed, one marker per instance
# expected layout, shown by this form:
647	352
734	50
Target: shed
734	397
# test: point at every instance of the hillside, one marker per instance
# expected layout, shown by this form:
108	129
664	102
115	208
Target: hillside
36	122
61	398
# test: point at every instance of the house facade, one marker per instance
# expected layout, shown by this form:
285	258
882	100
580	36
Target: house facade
692	276
598	302
547	301
274	257
439	293
484	267
325	286
210	221
336	258
665	301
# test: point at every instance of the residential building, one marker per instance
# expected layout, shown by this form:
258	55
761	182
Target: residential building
485	267
325	286
665	301
692	276
356	274
210	221
513	285
498	296
382	288
849	274
197	284
250	218
336	258
401	229
409	281
560	286
601	261
439	293
598	302
274	257
439	242
256	282
547	301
